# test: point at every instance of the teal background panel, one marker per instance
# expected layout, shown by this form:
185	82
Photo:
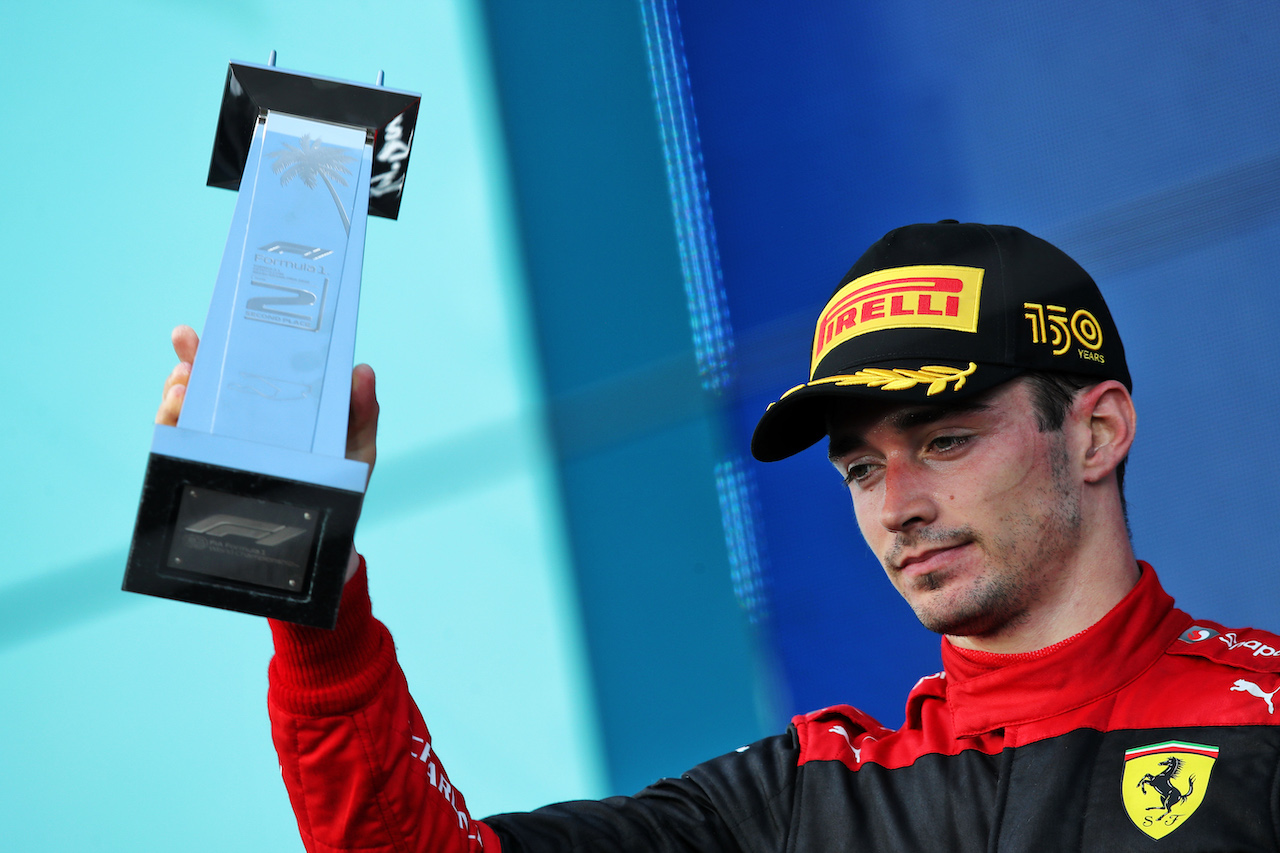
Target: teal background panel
137	723
676	665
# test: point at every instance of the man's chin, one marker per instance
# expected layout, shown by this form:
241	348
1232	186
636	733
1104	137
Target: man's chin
957	626
949	611
969	619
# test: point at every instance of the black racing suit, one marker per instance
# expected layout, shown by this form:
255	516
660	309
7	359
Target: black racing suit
1148	731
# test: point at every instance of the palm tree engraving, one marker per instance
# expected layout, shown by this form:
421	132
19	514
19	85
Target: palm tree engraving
309	160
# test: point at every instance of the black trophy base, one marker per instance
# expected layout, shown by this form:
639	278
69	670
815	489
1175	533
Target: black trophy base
242	541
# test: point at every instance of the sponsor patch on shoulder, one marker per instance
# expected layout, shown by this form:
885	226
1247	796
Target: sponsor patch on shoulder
1197	634
1246	648
1247	641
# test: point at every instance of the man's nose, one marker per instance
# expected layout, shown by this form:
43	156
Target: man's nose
907	498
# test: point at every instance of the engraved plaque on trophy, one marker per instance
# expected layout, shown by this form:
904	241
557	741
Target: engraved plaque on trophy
249	503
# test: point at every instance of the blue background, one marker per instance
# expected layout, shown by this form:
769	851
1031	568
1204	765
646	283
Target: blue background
590	583
1139	137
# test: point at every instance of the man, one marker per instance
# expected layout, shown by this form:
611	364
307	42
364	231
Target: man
976	399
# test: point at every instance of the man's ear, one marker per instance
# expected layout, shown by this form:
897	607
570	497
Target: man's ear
1107	411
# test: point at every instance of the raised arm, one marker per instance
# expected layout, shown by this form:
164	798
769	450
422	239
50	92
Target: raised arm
358	761
354	751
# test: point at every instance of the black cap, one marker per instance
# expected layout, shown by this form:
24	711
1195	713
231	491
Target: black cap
944	311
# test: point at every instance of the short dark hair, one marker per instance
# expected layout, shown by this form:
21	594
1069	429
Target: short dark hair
1052	396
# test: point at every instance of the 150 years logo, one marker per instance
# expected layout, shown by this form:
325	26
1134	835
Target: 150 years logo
1050	324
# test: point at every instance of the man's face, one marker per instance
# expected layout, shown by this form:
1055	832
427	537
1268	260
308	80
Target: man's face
972	511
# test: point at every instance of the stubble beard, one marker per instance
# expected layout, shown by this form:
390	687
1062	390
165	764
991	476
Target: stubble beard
1022	559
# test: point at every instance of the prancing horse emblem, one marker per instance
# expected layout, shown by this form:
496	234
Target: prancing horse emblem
1162	782
1165	783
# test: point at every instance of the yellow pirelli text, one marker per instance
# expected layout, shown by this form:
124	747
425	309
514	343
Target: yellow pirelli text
934	297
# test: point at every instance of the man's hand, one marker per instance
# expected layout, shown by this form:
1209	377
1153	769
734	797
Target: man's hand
362	423
185	342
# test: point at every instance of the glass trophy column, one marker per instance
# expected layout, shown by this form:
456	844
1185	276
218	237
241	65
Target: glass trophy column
249	503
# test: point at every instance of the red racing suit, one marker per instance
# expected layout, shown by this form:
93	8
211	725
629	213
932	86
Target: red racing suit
1148	731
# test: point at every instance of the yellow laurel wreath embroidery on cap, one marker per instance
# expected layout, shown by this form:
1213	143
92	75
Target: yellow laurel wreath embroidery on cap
902	378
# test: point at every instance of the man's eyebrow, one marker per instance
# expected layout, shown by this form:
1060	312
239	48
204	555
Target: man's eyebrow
905	419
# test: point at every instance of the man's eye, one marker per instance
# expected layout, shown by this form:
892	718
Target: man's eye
944	443
857	472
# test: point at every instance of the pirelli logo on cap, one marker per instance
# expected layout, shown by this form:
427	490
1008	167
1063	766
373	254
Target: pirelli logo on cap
933	297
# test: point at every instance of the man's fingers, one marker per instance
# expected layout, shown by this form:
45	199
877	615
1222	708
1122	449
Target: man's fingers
362	433
362	429
175	391
180	375
185	341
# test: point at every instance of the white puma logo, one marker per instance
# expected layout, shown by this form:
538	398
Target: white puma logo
1242	686
857	751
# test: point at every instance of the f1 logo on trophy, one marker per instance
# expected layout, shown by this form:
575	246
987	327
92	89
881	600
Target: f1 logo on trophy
249	503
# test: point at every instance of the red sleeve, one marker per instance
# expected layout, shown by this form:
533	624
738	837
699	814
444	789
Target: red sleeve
355	753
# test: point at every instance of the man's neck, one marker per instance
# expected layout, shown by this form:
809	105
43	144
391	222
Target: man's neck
1102	572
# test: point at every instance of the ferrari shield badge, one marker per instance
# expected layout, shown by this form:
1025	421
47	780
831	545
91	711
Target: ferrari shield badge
1165	783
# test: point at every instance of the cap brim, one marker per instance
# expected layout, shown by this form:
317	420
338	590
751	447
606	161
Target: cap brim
798	420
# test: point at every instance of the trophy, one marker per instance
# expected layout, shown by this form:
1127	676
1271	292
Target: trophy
249	503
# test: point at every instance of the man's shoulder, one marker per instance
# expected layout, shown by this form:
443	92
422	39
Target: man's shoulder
847	716
1246	649
1209	675
843	732
836	733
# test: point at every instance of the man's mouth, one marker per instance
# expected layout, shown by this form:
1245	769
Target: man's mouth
926	560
